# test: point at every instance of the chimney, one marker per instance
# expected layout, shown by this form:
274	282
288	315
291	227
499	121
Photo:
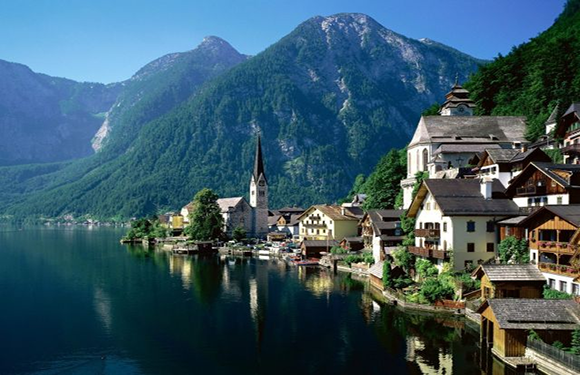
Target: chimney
342	211
485	184
524	147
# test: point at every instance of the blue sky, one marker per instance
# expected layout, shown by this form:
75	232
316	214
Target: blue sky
107	41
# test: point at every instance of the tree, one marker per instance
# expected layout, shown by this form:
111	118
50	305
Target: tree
513	251
357	188
434	289
425	268
403	258
575	344
433	110
383	184
206	221
239	233
387	279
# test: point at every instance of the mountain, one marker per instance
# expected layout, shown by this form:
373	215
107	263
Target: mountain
534	76
329	99
47	119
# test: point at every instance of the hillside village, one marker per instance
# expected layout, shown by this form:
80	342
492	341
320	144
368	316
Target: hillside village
473	183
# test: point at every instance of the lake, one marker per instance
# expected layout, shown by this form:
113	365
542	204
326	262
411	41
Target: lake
75	301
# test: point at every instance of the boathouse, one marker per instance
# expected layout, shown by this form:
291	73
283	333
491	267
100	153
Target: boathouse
313	248
506	323
509	280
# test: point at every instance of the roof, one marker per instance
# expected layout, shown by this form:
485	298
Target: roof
463	148
470	129
574	107
384	219
502	155
539	314
273	220
333	212
377	270
226	203
509	272
356	211
385	237
291	209
512	220
258	162
521	156
319	243
463	198
552	170
569	212
554	115
353	239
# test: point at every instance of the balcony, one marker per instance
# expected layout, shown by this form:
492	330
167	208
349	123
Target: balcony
420	251
440	254
559	269
428	233
531	190
571	149
563	248
311	224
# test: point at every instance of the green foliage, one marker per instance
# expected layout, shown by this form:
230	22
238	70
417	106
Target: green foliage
402	282
357	188
575	344
513	251
408	223
358	258
534	76
533	335
433	110
206	221
336	250
383	185
434	289
550	293
239	233
146	228
467	282
425	268
555	155
368	258
387	279
403	258
558	345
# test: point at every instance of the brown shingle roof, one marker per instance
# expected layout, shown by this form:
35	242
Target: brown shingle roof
333	212
539	314
377	270
509	272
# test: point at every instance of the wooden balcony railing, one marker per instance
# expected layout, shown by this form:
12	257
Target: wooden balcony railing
420	251
559	269
440	254
428	233
531	190
563	248
571	149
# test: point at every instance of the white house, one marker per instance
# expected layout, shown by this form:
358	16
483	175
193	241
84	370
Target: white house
458	216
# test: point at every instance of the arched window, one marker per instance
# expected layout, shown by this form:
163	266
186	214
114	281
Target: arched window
418	161
425	159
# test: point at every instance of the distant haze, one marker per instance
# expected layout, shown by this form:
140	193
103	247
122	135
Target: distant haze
107	41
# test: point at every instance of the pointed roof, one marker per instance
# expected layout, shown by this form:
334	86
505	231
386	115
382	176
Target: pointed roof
554	115
258	162
458	95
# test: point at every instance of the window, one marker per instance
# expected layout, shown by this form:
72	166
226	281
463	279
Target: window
470	247
552	283
490	226
559	200
427	206
425	159
563	286
490	247
418	162
471	226
575	289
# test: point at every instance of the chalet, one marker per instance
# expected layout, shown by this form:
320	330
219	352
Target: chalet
569	131
458	215
554	238
352	243
509	281
313	248
512	228
323	222
506	323
504	164
541	184
452	139
381	231
285	221
547	141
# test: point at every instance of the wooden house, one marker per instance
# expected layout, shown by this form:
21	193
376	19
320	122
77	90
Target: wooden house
506	323
554	237
569	130
542	184
313	248
512	227
381	231
352	243
509	281
504	164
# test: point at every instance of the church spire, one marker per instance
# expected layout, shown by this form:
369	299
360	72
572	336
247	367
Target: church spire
258	162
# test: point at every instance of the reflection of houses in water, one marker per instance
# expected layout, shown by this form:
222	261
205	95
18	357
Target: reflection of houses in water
442	364
181	266
102	305
315	281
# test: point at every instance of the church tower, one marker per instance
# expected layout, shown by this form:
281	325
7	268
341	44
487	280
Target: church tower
457	102
259	194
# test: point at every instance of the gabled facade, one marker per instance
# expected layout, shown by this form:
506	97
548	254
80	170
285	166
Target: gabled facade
542	184
509	281
505	164
381	230
458	216
569	131
554	237
323	222
451	140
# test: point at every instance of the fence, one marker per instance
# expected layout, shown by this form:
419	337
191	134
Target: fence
567	359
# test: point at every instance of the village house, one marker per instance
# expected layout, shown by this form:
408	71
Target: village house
505	164
569	130
554	239
352	243
509	281
237	212
323	222
506	323
454	138
547	141
381	231
541	184
313	248
285	220
458	216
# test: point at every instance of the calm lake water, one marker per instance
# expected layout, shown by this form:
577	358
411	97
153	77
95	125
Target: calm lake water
75	301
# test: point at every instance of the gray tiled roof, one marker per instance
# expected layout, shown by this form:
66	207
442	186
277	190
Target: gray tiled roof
502	155
378	218
574	107
513	220
513	272
377	270
539	314
568	212
226	203
463	197
320	243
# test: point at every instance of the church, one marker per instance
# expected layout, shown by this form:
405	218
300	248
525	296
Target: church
237	212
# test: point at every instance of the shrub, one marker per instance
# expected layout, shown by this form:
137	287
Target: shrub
425	268
336	250
550	293
387	281
435	289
